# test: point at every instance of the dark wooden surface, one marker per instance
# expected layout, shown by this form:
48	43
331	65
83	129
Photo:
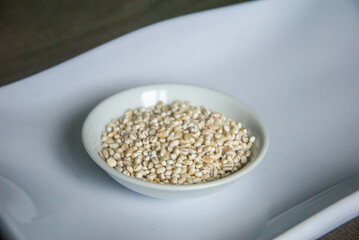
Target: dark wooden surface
38	34
348	231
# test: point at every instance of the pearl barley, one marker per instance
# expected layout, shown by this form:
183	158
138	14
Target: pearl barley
176	143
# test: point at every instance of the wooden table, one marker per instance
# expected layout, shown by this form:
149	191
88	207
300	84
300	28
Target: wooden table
35	35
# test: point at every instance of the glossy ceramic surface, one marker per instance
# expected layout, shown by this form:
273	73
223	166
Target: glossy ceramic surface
294	62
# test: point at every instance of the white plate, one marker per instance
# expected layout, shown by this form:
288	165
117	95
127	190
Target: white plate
295	63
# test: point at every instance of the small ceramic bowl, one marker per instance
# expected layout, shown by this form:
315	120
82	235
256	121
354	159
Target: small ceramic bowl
146	96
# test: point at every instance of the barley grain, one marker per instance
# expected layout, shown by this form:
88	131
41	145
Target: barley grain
176	143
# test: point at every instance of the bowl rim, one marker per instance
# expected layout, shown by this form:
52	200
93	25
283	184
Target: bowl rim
170	187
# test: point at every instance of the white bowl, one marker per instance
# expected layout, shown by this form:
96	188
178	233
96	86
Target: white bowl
114	106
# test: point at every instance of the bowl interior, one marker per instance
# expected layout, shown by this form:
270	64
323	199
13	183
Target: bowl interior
114	106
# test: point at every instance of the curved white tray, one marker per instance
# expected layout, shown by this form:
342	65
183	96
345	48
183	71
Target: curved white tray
294	62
